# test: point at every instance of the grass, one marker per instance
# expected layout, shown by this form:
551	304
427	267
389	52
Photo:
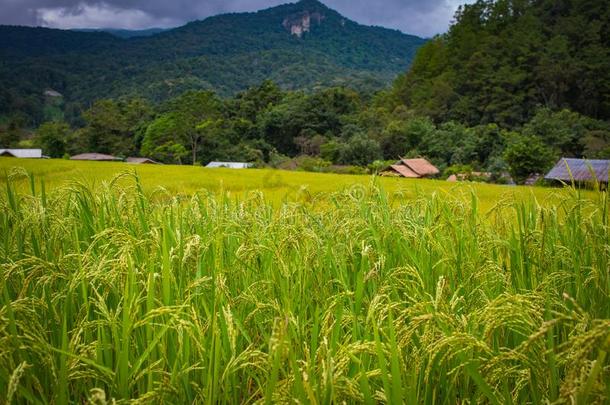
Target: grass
111	292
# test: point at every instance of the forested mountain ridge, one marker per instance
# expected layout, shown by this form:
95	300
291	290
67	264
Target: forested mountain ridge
502	60
302	45
124	33
18	43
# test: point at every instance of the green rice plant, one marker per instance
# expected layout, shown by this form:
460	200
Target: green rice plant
123	293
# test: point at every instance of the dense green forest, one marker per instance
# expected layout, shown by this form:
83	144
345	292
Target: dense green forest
510	88
226	53
504	59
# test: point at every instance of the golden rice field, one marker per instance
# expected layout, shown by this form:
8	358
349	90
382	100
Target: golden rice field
277	186
187	285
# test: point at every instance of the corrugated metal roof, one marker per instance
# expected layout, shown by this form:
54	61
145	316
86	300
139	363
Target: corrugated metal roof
94	156
229	165
22	153
421	166
404	171
580	170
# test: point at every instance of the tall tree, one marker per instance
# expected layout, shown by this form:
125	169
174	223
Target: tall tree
527	155
114	126
52	138
190	112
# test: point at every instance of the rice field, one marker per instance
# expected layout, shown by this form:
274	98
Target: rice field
116	291
278	186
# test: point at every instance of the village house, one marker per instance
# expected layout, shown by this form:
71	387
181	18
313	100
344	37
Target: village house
411	168
580	171
229	165
97	157
22	153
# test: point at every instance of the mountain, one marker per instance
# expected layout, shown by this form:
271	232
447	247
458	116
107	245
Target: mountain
303	45
124	33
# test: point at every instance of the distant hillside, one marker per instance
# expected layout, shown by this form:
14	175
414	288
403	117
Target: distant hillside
125	33
301	45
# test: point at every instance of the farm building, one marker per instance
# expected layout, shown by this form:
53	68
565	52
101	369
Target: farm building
580	170
411	168
99	157
141	161
229	165
21	153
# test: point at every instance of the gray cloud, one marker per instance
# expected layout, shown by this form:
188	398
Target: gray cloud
420	17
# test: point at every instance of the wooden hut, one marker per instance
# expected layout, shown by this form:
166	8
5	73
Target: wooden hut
411	168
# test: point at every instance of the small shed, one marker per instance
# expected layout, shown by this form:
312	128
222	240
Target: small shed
411	168
141	161
22	153
96	157
580	170
228	165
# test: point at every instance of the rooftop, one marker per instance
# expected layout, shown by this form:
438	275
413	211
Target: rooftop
229	165
568	169
22	153
414	168
141	160
94	156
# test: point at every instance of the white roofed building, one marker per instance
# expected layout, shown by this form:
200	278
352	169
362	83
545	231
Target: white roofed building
22	153
229	165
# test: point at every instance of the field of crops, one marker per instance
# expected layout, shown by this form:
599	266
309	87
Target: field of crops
116	290
278	186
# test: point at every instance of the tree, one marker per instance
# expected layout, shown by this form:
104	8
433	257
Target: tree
402	136
10	135
310	145
502	59
249	104
114	127
527	155
161	138
282	123
106	130
360	151
170	152
192	113
52	138
331	150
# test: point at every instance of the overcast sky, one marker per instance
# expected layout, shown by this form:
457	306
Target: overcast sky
419	17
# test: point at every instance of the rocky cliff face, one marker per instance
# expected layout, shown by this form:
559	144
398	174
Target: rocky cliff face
298	24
